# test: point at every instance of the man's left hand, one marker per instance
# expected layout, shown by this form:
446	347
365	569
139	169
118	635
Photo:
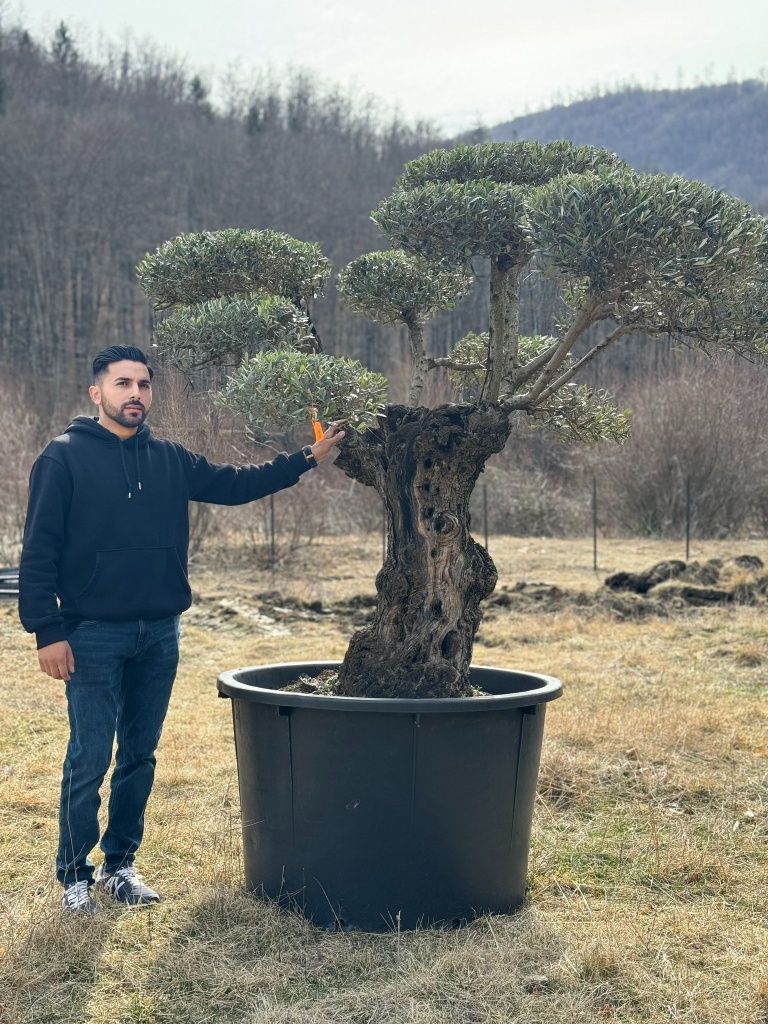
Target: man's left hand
331	437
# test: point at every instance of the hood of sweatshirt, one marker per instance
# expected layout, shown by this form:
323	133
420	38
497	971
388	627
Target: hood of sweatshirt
90	425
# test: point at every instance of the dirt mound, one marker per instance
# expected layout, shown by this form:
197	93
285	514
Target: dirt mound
273	613
738	580
666	588
642	582
526	597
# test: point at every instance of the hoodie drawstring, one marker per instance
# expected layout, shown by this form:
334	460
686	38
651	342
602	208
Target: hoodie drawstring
125	471
136	449
125	468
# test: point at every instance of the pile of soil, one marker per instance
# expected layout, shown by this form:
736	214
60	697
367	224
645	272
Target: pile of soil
739	580
663	589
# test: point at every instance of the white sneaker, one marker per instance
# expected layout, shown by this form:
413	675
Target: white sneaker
77	899
126	885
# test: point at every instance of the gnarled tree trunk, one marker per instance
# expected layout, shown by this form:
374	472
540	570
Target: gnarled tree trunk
424	463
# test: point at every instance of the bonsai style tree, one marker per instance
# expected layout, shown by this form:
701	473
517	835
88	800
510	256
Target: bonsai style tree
631	253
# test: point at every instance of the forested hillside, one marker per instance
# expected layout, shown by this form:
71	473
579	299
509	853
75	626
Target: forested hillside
102	160
714	133
100	163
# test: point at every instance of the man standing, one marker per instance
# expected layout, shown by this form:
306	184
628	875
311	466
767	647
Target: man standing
107	533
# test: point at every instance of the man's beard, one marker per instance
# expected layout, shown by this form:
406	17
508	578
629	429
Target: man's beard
119	415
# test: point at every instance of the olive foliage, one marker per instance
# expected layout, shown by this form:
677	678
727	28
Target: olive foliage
630	253
240	302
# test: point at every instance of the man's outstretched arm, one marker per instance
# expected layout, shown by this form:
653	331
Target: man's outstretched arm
222	484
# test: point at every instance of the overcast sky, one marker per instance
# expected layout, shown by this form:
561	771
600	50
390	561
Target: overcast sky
455	63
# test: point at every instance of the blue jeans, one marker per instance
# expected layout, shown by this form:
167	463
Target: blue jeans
121	686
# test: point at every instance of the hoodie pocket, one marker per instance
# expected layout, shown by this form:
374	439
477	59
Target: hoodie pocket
135	583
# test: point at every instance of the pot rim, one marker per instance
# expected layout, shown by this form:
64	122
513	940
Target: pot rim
548	688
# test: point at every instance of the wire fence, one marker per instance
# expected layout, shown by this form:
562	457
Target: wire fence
9	577
485	497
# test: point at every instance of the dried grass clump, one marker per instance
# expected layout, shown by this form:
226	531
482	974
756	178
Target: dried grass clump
761	998
561	784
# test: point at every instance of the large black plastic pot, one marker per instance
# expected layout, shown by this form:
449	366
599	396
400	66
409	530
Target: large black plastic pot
356	810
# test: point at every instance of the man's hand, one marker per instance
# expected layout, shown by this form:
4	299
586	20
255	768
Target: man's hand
333	434
57	660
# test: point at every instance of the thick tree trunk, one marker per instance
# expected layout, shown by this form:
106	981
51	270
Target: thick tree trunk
424	464
503	324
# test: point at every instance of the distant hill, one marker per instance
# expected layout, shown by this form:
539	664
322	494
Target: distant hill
713	133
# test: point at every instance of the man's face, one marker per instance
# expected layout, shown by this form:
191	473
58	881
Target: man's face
124	393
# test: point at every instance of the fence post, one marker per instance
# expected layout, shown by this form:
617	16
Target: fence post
687	516
485	513
272	529
594	522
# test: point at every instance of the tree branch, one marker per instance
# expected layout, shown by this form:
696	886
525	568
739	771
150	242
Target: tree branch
524	373
573	370
511	315
585	317
453	365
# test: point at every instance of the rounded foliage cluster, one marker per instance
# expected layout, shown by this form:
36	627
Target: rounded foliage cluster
397	287
450	222
222	331
507	163
626	236
210	264
273	390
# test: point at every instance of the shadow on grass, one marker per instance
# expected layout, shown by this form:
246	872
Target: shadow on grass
51	965
229	956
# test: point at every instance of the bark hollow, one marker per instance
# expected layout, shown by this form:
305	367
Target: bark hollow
424	463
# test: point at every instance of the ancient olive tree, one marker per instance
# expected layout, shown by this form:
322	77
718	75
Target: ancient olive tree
646	253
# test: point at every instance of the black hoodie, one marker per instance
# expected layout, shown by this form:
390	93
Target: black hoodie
107	527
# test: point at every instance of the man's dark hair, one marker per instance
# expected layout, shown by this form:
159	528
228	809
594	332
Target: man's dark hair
114	354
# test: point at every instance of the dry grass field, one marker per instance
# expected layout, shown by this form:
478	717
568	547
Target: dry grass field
649	867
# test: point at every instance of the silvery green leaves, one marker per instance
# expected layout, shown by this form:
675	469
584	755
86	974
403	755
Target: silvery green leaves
473	349
449	222
511	163
576	413
659	252
272	391
452	204
206	265
396	287
222	331
241	297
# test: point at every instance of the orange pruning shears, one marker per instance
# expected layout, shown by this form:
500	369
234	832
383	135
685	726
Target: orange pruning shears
317	426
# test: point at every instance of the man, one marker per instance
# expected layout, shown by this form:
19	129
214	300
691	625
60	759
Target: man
107	533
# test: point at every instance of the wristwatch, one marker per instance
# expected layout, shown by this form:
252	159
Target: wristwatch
309	456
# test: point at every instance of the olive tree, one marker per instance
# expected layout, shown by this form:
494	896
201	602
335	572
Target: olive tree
631	253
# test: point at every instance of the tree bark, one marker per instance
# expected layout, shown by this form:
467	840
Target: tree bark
503	324
418	360
435	575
